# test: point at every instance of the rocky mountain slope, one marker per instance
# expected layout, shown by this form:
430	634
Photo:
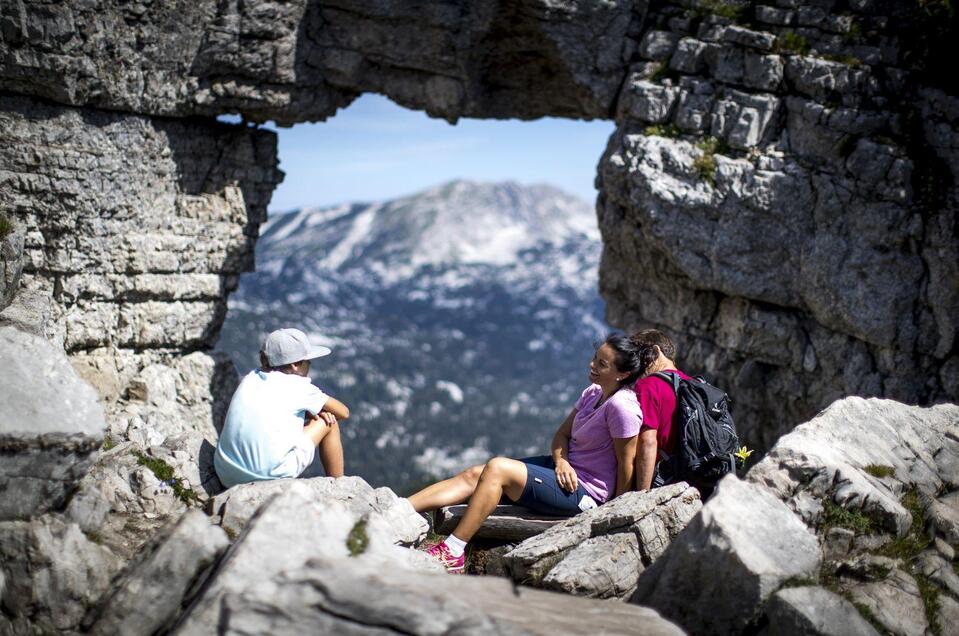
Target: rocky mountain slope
461	319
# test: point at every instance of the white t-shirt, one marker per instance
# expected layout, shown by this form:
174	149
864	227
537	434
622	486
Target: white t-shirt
263	434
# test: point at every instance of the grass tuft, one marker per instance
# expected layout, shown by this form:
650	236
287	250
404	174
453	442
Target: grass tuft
791	42
667	130
357	541
835	516
731	10
929	592
915	541
705	164
164	472
108	443
6	226
880	471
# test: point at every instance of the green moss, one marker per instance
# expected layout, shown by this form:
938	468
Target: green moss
94	536
108	443
731	10
230	533
357	541
929	592
791	42
867	613
164	472
937	8
880	471
800	581
667	130
705	164
6	226
848	60
916	540
835	516
663	72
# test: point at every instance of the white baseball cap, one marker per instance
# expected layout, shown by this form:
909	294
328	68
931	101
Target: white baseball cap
285	346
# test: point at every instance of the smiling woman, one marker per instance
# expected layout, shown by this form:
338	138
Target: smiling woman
376	150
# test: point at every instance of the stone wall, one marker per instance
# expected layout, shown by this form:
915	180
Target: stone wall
779	193
782	198
135	231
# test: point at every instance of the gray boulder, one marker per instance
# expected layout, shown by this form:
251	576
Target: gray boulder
11	259
603	551
894	601
742	546
293	526
53	573
238	505
358	598
827	459
51	425
149	594
802	611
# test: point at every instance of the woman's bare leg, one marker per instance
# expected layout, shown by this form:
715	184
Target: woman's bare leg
331	452
501	476
448	492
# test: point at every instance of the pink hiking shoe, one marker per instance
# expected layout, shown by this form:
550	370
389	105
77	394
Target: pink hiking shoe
453	565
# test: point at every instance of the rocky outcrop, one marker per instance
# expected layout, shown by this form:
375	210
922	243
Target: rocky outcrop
602	552
742	546
52	574
306	559
51	426
300	61
11	259
238	505
836	529
779	194
148	596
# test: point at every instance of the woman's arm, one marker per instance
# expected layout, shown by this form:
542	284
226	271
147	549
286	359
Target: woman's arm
625	460
565	475
337	408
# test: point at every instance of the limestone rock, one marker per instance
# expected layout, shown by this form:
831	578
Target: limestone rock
814	610
147	597
943	514
715	577
237	506
334	597
827	458
895	602
602	552
11	261
53	573
297	524
51	425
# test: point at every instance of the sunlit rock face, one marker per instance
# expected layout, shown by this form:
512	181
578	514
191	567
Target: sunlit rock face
779	194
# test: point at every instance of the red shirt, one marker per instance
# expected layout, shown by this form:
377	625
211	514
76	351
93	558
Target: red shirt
658	403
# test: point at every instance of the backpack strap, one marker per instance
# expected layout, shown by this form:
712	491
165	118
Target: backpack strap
671	378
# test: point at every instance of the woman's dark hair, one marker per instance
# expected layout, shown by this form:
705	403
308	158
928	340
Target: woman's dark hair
627	356
646	340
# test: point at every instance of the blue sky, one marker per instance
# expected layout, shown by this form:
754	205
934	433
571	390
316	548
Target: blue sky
375	150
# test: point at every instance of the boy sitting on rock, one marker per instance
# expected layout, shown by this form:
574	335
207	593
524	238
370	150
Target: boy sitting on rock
278	418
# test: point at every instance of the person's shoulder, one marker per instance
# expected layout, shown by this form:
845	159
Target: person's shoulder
625	399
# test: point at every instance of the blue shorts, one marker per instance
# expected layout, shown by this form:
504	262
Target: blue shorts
543	494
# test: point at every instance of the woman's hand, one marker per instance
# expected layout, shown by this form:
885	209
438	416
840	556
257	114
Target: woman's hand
566	476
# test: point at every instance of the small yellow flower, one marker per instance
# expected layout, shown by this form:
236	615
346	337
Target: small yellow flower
743	453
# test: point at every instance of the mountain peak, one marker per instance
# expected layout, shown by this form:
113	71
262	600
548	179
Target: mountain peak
459	221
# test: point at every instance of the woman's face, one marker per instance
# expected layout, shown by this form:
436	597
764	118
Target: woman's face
602	368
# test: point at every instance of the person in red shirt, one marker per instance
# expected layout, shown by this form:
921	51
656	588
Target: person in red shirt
657	437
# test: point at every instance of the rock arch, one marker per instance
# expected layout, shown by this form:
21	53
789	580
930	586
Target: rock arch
780	192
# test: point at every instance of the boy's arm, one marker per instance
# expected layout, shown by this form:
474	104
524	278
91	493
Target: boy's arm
337	408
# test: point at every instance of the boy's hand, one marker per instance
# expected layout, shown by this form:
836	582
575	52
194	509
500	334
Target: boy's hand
328	418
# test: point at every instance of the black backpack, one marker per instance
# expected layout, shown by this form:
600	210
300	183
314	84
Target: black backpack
707	436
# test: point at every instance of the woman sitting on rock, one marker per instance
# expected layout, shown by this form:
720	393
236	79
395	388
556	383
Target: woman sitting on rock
592	458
